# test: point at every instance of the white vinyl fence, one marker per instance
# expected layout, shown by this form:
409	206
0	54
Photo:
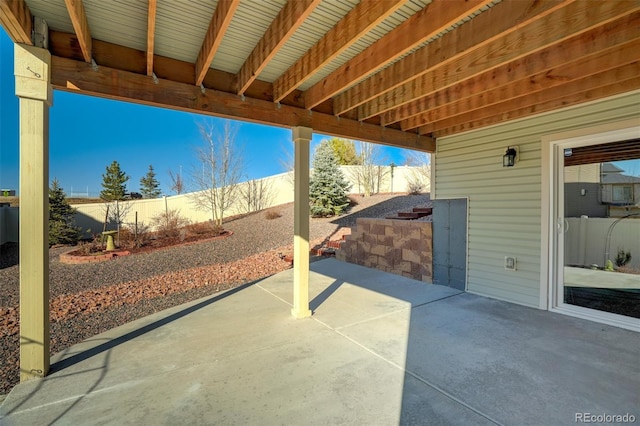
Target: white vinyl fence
586	241
276	190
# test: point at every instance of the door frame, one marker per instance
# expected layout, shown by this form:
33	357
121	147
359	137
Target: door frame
552	202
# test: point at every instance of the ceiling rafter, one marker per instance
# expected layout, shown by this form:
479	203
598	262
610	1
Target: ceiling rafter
574	92
501	19
151	31
590	95
16	18
553	28
76	76
511	60
551	66
585	44
281	29
616	57
360	20
428	22
80	26
219	23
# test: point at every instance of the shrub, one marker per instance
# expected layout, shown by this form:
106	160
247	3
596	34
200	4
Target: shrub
169	224
622	258
203	228
94	245
414	187
272	214
132	238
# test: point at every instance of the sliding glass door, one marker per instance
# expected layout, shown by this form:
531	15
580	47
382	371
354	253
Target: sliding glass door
597	231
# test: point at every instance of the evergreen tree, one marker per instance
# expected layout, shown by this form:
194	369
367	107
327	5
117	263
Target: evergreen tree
114	183
62	229
327	187
149	185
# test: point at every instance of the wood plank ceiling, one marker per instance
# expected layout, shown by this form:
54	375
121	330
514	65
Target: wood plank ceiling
398	72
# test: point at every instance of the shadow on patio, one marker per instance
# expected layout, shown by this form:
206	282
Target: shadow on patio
380	349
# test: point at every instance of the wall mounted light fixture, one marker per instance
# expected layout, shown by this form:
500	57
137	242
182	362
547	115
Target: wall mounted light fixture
509	158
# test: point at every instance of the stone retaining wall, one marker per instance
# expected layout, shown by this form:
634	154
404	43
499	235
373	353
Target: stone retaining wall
397	246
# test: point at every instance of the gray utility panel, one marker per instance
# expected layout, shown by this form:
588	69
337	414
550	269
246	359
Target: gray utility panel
450	243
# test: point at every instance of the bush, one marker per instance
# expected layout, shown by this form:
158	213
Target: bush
622	258
169	224
203	228
272	214
129	238
414	187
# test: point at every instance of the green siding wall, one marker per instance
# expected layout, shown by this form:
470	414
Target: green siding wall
504	203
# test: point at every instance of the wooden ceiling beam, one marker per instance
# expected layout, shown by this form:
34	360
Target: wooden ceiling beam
590	53
79	77
553	28
217	27
279	32
607	83
111	55
151	31
428	22
359	21
557	78
499	20
80	26
588	43
590	95
16	19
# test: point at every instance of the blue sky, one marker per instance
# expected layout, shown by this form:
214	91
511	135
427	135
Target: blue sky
88	133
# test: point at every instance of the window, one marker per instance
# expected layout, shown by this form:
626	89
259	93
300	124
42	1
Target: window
622	194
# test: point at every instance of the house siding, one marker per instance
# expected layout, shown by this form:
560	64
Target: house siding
505	203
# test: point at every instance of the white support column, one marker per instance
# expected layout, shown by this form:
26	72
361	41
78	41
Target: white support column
301	139
33	87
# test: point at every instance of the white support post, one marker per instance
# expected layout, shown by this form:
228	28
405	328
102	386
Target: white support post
33	87
301	138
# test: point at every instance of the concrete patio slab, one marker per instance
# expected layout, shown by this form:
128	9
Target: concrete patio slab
380	349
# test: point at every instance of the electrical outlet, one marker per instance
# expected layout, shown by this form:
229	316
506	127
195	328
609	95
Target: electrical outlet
510	263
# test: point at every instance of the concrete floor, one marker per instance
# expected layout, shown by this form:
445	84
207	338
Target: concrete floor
379	350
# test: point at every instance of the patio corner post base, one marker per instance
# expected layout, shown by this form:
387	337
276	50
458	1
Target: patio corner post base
33	88
301	138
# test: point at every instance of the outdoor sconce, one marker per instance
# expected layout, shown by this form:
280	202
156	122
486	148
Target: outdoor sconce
509	158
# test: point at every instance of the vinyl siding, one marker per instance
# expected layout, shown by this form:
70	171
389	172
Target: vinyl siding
505	203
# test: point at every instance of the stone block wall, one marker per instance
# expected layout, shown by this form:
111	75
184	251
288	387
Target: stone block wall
397	246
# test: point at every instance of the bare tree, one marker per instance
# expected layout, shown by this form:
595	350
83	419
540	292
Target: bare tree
257	194
419	180
287	162
370	174
115	213
177	184
220	168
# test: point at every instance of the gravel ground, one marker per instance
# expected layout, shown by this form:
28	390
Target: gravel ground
89	299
